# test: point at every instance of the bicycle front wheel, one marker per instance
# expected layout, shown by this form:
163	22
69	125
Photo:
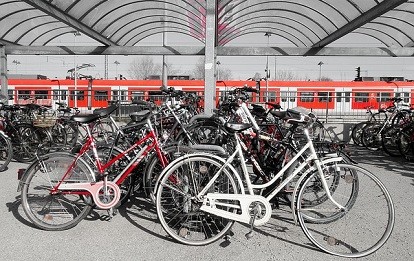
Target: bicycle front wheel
58	211
361	228
178	209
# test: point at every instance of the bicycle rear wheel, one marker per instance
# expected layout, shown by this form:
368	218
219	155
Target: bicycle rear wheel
371	136
6	151
359	230
177	205
58	211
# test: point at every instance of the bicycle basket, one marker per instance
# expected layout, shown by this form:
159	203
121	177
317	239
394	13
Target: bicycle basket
44	122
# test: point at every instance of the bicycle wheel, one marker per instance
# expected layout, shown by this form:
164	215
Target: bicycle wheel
25	142
371	136
389	141
177	205
58	211
103	132
59	136
357	132
153	167
405	141
359	230
6	151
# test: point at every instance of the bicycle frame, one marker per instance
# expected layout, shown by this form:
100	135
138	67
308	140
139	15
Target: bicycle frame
99	189
211	200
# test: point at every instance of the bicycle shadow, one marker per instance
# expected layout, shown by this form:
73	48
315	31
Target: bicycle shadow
141	212
14	208
18	213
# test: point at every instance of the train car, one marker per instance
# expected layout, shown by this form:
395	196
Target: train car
325	97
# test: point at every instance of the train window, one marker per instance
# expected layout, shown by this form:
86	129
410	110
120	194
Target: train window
101	95
347	96
306	97
223	96
63	95
123	95
157	96
41	94
272	96
325	96
80	95
10	93
136	95
338	96
361	96
383	96
23	94
115	95
284	96
404	95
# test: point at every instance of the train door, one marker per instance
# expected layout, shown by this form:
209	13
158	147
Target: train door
78	98
288	97
101	96
343	101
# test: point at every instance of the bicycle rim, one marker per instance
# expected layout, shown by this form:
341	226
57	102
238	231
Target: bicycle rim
60	211
362	228
179	212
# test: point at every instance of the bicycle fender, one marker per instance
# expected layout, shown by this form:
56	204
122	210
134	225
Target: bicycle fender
302	178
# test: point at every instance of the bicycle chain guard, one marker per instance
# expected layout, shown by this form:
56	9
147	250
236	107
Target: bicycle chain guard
97	191
245	203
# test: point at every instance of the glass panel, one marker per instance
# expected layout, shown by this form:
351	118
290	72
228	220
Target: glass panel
306	97
361	96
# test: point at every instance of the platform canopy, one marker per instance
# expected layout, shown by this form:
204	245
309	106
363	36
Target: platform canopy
118	26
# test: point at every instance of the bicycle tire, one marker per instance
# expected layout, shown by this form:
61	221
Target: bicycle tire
180	217
405	141
353	232
6	151
371	136
389	141
25	142
153	167
357	132
58	211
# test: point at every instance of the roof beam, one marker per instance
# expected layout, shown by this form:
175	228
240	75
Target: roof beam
69	20
200	50
364	18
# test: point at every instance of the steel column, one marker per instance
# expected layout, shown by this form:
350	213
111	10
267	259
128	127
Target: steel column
3	71
210	57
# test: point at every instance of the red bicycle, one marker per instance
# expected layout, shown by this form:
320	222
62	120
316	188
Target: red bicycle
59	189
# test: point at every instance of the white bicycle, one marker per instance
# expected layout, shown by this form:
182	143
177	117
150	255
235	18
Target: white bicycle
343	209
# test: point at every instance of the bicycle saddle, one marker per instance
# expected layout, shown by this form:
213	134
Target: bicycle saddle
236	127
102	112
85	118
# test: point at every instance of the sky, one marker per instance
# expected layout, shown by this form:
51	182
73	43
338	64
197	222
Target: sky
242	68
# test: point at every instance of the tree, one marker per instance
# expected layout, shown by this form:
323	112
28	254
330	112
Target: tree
325	79
142	68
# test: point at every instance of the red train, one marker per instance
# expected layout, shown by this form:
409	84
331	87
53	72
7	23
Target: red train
332	96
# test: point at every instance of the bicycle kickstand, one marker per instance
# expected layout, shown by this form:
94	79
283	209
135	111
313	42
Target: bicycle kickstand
252	219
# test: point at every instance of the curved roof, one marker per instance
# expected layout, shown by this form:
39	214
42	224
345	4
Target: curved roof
125	23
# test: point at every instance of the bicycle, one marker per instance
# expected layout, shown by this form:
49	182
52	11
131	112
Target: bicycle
199	196
59	189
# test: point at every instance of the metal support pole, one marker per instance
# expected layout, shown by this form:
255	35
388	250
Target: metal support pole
210	57
3	71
